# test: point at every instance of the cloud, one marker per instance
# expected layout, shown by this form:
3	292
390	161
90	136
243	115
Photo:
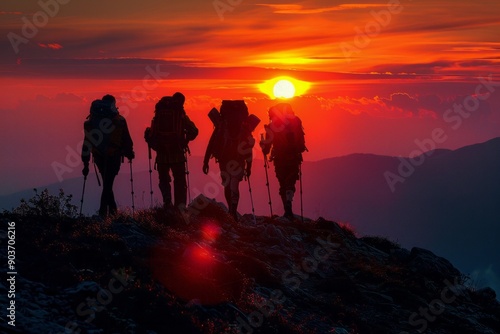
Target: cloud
454	24
403	102
10	13
136	68
457	67
53	46
60	98
375	107
405	105
299	9
417	68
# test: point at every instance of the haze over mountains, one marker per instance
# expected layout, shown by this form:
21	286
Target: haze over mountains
449	204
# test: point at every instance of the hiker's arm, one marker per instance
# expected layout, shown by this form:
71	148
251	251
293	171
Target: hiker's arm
86	150
249	156
208	153
248	167
127	143
87	145
267	142
302	139
191	129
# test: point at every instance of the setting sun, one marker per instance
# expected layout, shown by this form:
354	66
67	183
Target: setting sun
284	87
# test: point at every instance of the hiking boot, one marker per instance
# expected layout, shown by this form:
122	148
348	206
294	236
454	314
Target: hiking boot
113	211
233	212
103	213
288	210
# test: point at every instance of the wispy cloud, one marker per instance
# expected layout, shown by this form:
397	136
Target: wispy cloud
436	35
53	46
299	9
10	13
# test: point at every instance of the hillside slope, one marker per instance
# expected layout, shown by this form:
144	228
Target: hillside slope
202	272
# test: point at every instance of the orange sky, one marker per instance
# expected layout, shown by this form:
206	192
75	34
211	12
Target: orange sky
382	73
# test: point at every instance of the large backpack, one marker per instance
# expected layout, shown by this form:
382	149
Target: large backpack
233	127
288	133
167	127
104	129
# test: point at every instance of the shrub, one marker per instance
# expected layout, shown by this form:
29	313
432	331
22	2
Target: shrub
44	204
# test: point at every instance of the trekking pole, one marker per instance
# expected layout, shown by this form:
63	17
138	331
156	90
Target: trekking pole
251	199
266	166
150	175
186	153
83	193
301	203
132	187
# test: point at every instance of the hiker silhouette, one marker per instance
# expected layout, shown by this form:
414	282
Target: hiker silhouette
285	135
170	132
231	145
108	140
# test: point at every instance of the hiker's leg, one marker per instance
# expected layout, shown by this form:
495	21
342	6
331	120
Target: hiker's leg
234	194
111	197
226	180
290	178
287	173
164	183
103	207
107	194
112	172
180	188
107	197
102	167
280	175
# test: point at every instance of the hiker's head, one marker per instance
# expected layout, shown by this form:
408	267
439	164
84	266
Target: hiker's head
280	111
110	99
179	99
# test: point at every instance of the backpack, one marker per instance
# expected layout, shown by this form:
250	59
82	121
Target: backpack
170	128
233	128
296	135
289	137
104	129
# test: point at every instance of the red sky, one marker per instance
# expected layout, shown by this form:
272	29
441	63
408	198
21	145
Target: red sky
382	74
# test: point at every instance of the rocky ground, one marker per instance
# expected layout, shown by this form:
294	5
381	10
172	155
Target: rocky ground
202	272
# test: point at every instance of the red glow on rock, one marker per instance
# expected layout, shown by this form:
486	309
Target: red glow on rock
210	231
197	273
196	255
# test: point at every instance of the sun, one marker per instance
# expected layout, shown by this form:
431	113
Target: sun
284	89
